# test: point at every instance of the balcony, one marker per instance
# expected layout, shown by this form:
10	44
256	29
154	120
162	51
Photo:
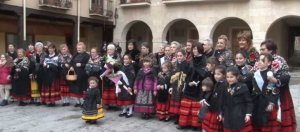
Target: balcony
102	8
59	4
193	1
130	3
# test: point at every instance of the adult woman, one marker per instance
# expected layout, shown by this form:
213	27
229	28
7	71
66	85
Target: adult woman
64	60
245	45
36	72
50	88
109	91
190	105
145	53
134	53
223	55
20	80
94	65
78	63
280	70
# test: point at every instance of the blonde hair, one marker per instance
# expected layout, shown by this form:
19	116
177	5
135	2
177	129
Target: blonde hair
245	35
224	37
81	44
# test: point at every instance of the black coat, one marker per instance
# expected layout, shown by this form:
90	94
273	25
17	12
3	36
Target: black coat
261	99
130	74
90	101
237	103
246	76
162	94
216	98
196	73
80	84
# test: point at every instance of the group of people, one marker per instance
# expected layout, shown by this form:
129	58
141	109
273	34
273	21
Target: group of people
196	86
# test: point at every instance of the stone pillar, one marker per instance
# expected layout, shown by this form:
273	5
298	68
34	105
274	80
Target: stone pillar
20	29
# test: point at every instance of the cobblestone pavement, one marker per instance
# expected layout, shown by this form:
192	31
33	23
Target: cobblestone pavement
67	119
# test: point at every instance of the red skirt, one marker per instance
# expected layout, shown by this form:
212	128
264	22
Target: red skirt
211	123
162	110
174	107
189	112
109	96
64	88
248	128
125	102
288	119
272	125
51	93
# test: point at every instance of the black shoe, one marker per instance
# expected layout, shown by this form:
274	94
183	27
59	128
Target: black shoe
31	102
93	122
51	105
77	105
181	127
88	122
43	103
176	121
128	115
66	104
21	103
122	114
37	103
4	102
194	128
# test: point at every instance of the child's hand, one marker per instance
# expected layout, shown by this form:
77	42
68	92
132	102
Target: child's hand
8	77
129	89
78	64
170	90
154	93
270	107
247	118
219	118
191	84
98	105
135	91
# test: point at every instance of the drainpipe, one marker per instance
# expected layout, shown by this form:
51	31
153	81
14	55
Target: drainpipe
78	21
24	23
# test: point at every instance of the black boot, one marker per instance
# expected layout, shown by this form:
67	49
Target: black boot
4	102
21	103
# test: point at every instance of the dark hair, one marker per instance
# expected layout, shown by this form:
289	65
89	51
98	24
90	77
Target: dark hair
52	46
191	41
133	43
93	78
199	47
181	51
270	45
127	56
242	52
168	65
208	82
212	60
267	56
147	59
146	44
234	71
221	68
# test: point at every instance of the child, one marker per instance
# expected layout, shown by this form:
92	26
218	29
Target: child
145	89
265	97
5	83
237	104
211	122
125	96
92	111
245	70
207	88
210	67
177	83
162	104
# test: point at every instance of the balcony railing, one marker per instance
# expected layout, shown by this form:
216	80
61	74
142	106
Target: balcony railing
104	8
60	4
125	3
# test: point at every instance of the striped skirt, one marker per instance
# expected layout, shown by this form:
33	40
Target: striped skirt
189	112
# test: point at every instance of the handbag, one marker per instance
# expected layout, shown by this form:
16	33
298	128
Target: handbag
71	75
202	113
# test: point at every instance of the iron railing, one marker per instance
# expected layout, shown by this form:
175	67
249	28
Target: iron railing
62	4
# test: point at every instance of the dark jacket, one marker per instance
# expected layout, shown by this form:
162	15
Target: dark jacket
216	98
237	103
196	73
130	74
162	94
90	101
261	99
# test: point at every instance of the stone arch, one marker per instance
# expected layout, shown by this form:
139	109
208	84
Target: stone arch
172	32
285	31
229	26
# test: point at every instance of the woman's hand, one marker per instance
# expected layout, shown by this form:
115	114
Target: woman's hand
247	118
219	118
191	84
135	91
270	107
78	64
170	90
